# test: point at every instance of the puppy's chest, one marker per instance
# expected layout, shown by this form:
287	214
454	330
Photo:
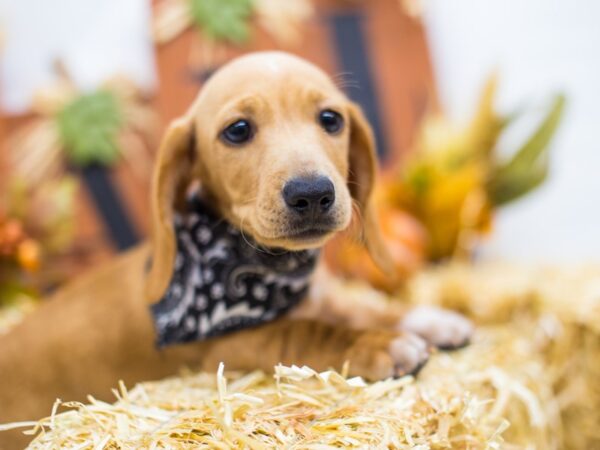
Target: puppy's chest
223	282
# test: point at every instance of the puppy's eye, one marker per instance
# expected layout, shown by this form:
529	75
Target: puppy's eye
238	132
331	121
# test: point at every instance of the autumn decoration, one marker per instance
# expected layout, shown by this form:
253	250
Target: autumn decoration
74	128
36	230
440	201
225	23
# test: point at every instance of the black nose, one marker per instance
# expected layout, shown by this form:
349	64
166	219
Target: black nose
309	196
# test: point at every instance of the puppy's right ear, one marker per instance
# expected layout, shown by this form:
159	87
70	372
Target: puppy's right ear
170	180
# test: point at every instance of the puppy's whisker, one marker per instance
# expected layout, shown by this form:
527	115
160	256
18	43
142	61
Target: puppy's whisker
342	75
343	87
357	211
348	84
250	201
352	181
344	80
355	183
256	246
356	207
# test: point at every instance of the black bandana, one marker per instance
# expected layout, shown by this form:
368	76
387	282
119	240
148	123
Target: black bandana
223	281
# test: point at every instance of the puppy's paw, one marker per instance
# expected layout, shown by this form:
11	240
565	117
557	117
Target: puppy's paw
440	327
378	355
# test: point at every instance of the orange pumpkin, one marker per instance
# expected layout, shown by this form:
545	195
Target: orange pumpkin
405	241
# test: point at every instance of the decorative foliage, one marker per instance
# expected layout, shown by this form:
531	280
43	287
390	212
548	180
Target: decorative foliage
36	226
88	127
528	168
226	20
455	177
223	22
95	127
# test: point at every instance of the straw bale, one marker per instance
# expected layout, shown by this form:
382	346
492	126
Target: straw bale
528	380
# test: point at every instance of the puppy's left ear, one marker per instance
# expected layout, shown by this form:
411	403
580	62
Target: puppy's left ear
170	180
361	183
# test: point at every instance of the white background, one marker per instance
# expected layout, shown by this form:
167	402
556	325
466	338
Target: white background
539	47
95	39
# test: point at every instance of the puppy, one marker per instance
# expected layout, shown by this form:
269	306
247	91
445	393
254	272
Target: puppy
283	159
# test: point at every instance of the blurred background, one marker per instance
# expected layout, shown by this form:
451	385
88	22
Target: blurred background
484	114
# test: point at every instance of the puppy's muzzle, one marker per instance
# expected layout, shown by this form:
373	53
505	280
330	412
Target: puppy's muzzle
309	201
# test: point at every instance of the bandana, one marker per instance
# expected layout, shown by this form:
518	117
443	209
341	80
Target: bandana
223	281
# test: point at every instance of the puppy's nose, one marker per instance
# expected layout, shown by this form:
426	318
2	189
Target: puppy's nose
309	196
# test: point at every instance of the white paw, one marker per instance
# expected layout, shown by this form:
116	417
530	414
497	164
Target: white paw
409	353
440	327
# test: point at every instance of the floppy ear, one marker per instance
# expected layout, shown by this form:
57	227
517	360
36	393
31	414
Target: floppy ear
361	183
170	180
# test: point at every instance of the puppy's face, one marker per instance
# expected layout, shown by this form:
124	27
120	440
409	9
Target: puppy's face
280	150
272	141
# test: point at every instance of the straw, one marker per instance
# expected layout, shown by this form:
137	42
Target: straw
528	380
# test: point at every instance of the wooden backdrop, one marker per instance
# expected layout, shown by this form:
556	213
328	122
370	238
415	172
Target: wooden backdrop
375	40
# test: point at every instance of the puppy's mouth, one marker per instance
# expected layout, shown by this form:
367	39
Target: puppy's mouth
309	234
311	231
297	234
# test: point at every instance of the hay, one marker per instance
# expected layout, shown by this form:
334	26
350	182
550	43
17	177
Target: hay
302	409
531	382
557	308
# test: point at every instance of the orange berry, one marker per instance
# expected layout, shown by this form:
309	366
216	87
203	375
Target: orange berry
28	255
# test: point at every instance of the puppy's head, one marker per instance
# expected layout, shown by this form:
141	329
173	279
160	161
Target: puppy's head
280	151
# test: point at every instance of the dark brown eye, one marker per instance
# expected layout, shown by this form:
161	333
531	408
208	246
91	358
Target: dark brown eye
331	121
238	132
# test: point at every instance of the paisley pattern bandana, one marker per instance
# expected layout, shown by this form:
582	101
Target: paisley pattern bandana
223	281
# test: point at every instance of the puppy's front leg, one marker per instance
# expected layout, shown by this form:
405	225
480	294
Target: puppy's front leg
335	302
372	354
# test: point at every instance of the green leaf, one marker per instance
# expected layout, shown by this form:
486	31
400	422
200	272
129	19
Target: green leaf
518	182
538	143
226	20
89	127
528	168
